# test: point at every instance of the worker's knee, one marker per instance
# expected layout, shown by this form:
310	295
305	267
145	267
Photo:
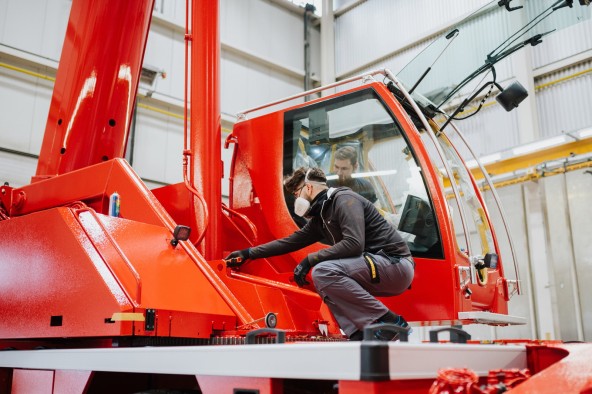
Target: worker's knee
325	272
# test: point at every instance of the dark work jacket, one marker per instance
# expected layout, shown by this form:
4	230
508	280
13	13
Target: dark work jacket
349	223
360	185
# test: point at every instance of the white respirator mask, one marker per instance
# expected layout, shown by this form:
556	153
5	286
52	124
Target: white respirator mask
301	204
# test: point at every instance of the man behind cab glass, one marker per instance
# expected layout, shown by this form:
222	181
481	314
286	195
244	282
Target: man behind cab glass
345	164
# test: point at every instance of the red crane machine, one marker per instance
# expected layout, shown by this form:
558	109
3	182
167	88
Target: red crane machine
101	276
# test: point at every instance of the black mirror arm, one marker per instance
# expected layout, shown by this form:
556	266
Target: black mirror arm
506	3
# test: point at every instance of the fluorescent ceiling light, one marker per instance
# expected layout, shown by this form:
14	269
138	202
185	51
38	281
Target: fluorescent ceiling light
365	174
539	145
471	163
374	173
585	133
485	160
490	158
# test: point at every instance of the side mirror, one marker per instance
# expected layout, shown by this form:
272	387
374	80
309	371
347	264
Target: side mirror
512	96
490	260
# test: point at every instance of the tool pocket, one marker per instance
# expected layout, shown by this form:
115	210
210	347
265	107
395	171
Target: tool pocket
372	267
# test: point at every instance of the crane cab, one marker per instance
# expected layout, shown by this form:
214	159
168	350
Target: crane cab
459	273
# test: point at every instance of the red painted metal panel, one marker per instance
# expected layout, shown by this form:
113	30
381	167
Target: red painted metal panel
74	256
170	279
93	185
54	283
27	381
558	368
96	84
205	158
71	382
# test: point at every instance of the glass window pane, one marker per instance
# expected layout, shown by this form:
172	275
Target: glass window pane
356	141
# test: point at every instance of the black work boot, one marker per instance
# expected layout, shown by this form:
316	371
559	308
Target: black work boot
391	318
356	336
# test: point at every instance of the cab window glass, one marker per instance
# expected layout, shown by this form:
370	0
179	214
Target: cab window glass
356	141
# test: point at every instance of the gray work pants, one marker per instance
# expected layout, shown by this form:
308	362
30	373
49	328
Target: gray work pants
346	288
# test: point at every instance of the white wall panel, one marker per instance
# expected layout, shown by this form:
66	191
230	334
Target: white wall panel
376	28
394	63
24	105
341	3
491	130
17	170
579	184
172	10
173	151
564	43
44	91
512	198
565	106
264	29
3	17
564	284
19	93
158	147
150	140
159	54
24	22
246	84
255	27
54	27
177	70
36	26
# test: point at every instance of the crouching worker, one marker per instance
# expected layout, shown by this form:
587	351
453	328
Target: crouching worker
367	257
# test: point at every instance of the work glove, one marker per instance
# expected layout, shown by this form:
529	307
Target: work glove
300	272
237	258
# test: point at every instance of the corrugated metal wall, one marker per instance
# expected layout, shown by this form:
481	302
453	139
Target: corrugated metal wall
563	102
492	130
376	28
568	229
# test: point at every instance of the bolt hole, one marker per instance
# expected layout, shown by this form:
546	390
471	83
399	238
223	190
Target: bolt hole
112	122
105	158
62	151
55	321
59	122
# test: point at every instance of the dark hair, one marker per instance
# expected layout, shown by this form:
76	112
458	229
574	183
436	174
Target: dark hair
293	181
347	153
